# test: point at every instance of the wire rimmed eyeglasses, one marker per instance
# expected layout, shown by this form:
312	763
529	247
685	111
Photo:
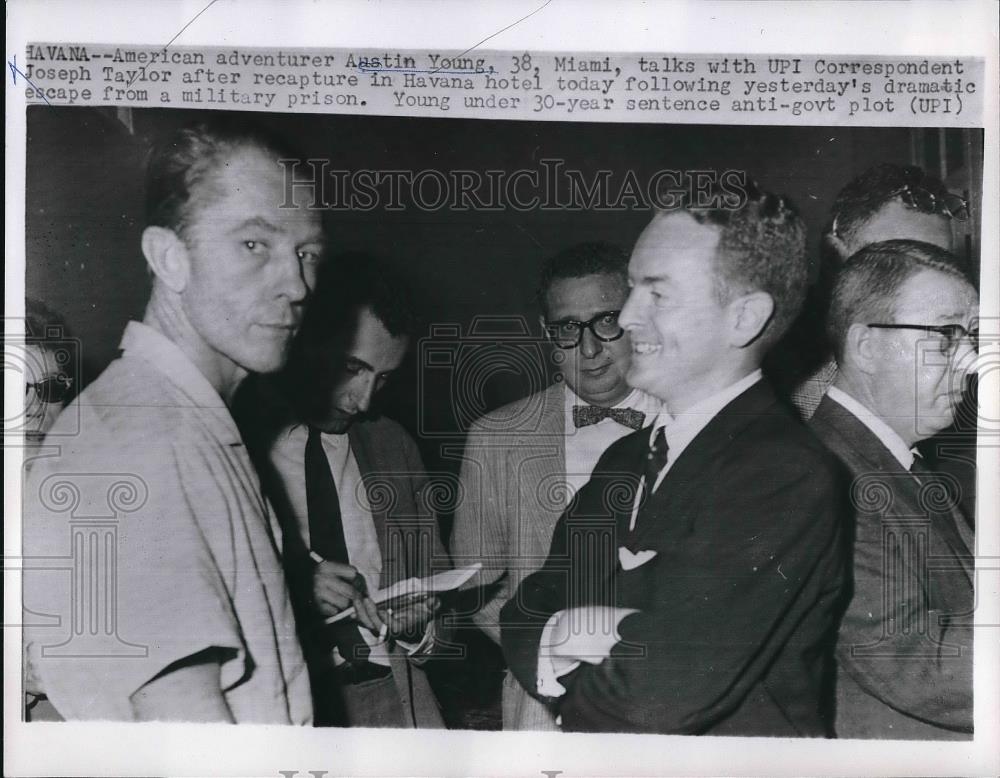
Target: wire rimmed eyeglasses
50	390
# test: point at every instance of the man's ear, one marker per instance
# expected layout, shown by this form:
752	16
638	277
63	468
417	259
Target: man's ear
835	244
749	315
167	257
859	348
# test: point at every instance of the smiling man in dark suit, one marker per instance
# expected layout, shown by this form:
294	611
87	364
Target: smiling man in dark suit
900	321
524	461
692	587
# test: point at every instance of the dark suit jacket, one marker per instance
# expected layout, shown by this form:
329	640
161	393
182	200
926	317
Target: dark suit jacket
738	607
904	654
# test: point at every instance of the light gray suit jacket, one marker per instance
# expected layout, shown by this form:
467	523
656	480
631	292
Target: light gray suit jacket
513	493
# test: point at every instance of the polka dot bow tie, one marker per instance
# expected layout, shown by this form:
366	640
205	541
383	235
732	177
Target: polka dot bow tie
585	415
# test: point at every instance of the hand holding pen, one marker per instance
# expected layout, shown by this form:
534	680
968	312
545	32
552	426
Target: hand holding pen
337	587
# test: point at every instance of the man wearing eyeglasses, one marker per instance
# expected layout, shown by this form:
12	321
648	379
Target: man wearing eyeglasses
49	372
903	323
518	477
886	202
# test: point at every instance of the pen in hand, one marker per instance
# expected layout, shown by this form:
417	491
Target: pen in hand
336	582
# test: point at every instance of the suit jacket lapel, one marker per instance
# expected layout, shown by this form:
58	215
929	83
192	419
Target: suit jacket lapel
365	457
843	432
538	457
686	473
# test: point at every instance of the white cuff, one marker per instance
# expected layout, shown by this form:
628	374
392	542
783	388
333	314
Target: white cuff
547	683
425	642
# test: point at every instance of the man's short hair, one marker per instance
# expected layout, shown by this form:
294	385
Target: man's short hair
182	161
762	247
866	195
867	286
579	261
347	284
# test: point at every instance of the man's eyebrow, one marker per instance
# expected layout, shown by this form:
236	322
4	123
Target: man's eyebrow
318	238
257	221
945	317
348	359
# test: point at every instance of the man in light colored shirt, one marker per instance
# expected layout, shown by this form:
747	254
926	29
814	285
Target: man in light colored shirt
169	600
693	585
349	489
903	321
524	462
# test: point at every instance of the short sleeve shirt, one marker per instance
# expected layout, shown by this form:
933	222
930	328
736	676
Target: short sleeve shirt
147	540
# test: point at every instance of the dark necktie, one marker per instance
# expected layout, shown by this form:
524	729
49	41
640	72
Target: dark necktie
326	538
919	468
656	460
927	476
585	415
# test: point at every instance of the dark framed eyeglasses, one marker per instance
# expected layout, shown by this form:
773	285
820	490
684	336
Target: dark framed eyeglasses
921	199
951	334
51	390
567	333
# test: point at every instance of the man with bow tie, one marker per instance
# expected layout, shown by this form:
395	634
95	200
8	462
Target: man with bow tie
693	586
524	462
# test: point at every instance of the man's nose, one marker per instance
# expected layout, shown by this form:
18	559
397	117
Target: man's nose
629	317
293	280
364	393
966	357
590	344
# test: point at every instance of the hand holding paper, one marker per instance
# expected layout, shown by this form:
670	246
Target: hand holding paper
405	593
339	589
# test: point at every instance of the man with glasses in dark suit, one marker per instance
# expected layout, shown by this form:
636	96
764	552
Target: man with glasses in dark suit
886	202
903	321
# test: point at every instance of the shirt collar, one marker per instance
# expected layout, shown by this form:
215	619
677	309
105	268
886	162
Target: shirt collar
684	428
635	399
300	429
142	341
886	435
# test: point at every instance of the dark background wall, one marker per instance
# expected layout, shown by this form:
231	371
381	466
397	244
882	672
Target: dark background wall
84	218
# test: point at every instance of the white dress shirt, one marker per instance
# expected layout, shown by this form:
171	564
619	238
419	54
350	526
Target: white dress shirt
584	445
363	549
886	435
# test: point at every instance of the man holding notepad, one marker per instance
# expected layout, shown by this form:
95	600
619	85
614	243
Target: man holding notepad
348	489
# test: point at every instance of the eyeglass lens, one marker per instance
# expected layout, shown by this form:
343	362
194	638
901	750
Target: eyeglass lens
51	390
567	334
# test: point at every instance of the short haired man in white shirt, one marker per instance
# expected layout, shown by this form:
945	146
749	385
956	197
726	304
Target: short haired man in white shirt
185	614
903	322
